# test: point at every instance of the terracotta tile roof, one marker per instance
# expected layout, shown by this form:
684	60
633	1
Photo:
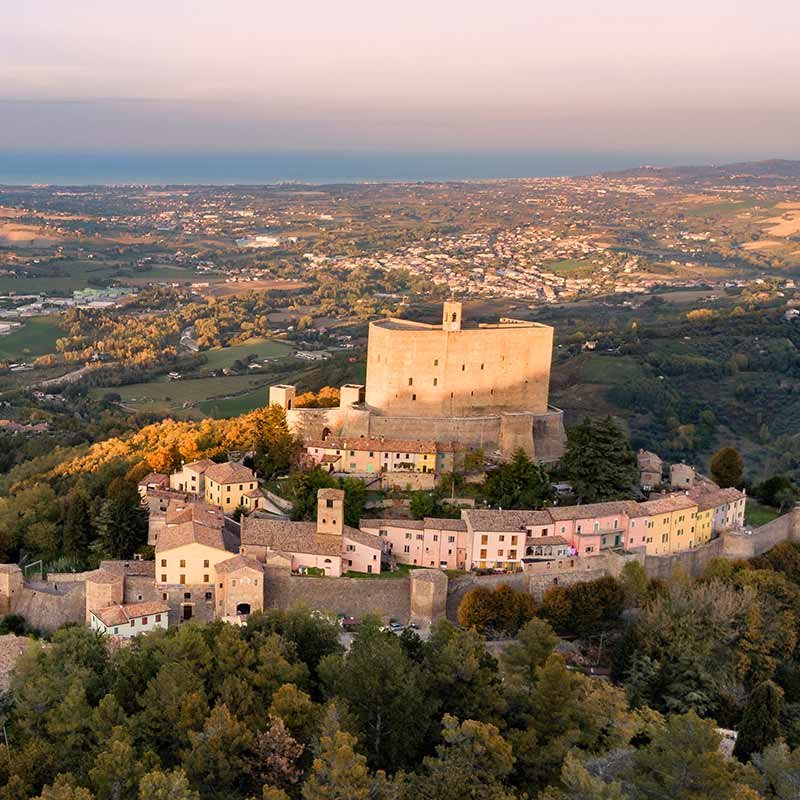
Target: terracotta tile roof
230	472
194	522
121	615
590	510
199	466
379	445
254	493
291	537
555	540
663	505
410	524
487	519
239	562
445	524
155	479
102	576
708	497
367	539
194	511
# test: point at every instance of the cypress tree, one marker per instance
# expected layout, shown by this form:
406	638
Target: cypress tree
760	725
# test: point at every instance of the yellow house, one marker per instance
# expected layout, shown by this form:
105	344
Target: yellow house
665	525
190	545
704	524
231	485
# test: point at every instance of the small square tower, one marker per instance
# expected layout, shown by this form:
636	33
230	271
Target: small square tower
330	511
451	316
350	394
283	395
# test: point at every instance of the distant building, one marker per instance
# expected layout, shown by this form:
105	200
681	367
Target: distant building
231	486
651	468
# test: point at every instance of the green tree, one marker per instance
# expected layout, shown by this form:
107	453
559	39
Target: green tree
472	763
382	688
355	498
121	524
64	788
77	527
532	647
217	762
599	462
302	491
158	785
683	760
578	784
727	467
518	484
274	756
635	584
117	769
780	770
339	772
760	725
422	505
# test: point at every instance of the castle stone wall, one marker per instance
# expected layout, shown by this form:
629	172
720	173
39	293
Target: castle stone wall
47	610
390	598
419	369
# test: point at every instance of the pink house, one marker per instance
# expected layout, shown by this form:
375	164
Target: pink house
429	542
327	544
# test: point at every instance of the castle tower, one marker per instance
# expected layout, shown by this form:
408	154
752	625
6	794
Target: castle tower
282	395
451	316
330	511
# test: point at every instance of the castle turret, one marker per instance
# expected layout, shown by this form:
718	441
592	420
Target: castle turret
330	511
451	316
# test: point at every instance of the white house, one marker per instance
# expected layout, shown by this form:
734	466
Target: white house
130	619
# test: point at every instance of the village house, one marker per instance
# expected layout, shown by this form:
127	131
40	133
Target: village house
327	545
425	542
130	619
370	456
651	468
231	486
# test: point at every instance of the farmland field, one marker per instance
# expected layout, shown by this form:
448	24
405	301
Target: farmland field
36	338
223	357
168	397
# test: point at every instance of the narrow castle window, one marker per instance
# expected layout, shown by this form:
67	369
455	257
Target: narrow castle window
413	397
410	381
463	367
435	362
435	381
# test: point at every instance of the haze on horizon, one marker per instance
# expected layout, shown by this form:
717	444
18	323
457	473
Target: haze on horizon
684	81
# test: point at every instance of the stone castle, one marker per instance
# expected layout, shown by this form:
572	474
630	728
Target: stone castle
478	385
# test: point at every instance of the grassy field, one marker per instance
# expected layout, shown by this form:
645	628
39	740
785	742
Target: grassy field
610	370
571	267
223	357
37	337
755	514
168	397
402	571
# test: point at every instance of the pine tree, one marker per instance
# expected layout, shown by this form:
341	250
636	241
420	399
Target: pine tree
158	785
339	772
727	467
599	462
760	724
77	527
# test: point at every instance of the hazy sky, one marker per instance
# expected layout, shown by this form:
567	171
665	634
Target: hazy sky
681	78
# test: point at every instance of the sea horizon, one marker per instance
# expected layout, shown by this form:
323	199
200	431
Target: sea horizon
220	169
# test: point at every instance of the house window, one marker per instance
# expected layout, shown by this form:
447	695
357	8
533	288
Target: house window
408	536
144	620
499	553
435	381
451	539
163	579
435	362
502	538
183	562
413	397
187	595
483	554
163	562
512	553
329	503
485	539
183	579
164	596
410	381
208	596
406	548
205	563
514	540
206	579
158	617
133	623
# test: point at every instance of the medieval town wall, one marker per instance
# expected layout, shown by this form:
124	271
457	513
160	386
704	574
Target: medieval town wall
47	609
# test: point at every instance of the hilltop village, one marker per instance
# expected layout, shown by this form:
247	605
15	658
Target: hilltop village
222	541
